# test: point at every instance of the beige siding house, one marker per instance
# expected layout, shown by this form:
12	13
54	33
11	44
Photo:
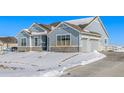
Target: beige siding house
7	42
80	35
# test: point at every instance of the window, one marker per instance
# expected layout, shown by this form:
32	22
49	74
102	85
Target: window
67	39
63	40
58	40
105	41
36	41
37	29
23	42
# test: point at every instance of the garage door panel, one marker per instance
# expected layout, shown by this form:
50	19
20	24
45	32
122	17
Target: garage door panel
84	45
94	44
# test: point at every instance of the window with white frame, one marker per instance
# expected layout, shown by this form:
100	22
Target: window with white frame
23	42
63	40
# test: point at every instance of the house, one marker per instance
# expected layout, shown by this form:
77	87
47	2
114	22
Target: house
7	42
80	35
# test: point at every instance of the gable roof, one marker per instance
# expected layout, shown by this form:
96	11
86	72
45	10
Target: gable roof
78	24
30	33
84	22
55	24
47	27
75	26
26	31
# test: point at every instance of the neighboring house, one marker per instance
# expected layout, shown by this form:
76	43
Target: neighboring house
114	48
81	35
7	42
117	48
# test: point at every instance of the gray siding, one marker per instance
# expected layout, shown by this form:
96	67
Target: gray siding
69	29
96	27
23	35
74	36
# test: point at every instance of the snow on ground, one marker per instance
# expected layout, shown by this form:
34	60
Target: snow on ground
43	63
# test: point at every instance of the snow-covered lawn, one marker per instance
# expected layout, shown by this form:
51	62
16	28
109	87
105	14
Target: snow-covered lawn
43	63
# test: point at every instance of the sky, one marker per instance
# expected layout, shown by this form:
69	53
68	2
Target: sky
11	25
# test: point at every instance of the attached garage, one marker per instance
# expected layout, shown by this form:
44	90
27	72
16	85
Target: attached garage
89	45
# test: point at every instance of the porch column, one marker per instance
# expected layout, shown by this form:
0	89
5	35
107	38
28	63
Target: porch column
30	43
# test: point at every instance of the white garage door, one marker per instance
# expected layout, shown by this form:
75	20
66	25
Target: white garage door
94	44
84	45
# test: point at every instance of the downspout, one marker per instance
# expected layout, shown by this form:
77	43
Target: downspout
79	43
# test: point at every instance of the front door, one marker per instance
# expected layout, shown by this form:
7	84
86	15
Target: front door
44	42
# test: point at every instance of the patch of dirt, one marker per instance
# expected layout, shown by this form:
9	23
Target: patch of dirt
4	67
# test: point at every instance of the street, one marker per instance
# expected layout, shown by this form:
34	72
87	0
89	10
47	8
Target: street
111	66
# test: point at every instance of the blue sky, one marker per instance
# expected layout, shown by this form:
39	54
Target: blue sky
11	25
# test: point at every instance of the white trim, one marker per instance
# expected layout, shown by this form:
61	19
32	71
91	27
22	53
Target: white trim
31	25
58	25
103	27
30	42
23	30
36	25
41	27
72	27
87	33
61	35
89	37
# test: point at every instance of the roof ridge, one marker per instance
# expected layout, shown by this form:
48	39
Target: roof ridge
91	21
79	19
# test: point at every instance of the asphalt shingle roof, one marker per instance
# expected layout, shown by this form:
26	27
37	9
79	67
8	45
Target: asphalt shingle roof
78	24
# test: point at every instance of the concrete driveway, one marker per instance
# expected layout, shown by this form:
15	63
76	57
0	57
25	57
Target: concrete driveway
111	66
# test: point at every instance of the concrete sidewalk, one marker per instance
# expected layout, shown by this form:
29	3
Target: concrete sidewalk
112	65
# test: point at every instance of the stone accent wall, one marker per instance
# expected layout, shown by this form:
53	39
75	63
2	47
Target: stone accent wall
25	49
64	49
36	48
